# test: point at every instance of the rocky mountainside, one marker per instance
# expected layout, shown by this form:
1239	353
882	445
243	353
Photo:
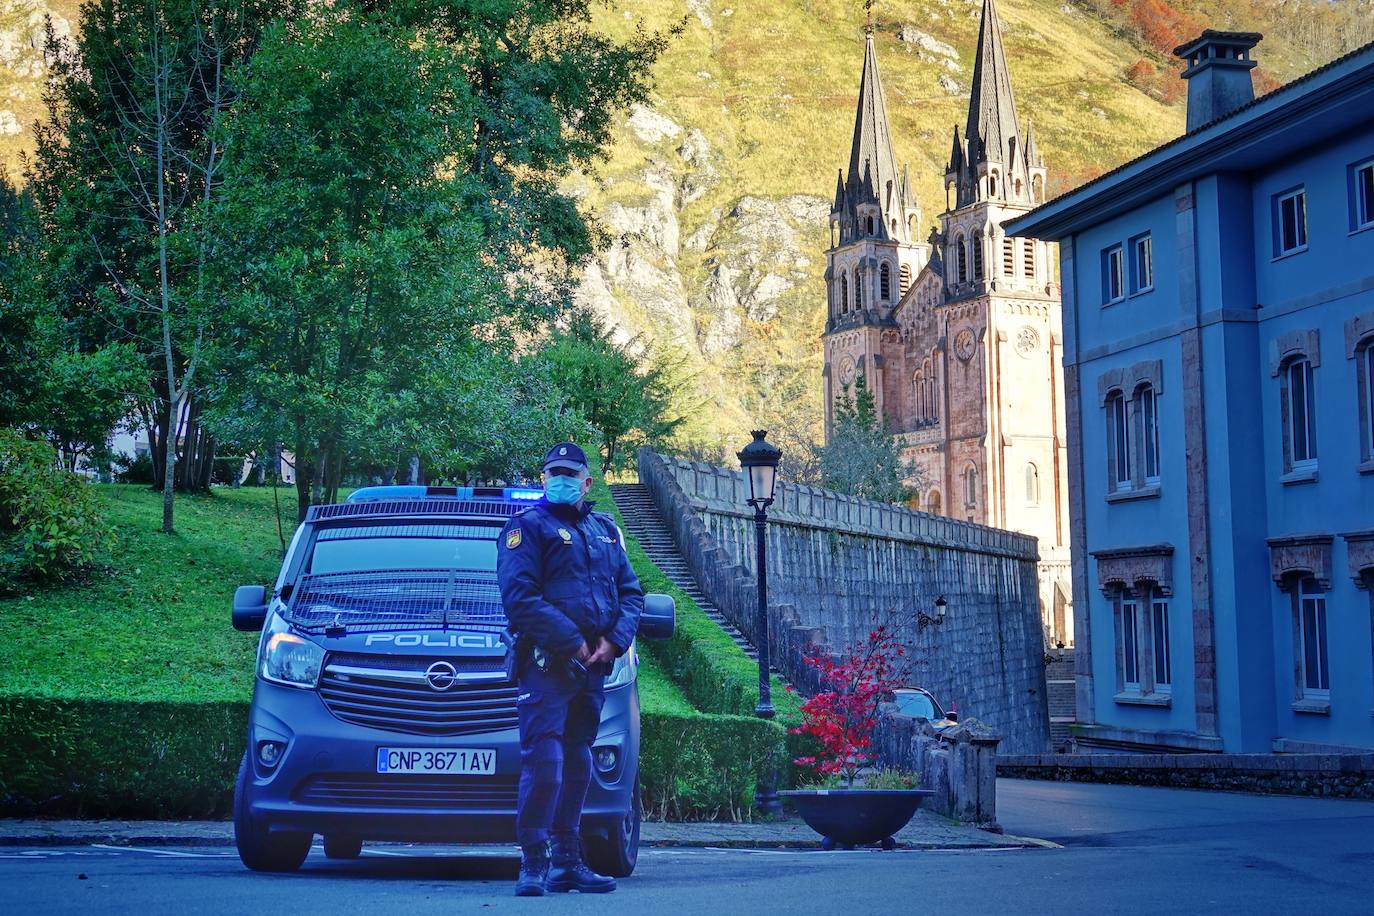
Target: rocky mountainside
716	195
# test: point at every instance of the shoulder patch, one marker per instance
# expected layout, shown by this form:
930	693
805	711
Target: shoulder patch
513	538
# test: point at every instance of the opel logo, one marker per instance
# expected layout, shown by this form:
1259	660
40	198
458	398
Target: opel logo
441	675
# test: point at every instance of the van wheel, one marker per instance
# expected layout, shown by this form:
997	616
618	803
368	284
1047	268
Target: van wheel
259	849
617	854
342	846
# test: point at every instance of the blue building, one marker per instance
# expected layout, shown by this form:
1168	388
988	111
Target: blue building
1218	301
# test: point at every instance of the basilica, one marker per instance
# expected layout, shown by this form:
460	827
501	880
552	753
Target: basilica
957	333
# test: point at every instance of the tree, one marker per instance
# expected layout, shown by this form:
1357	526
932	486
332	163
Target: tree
861	458
50	387
127	171
546	89
356	269
630	400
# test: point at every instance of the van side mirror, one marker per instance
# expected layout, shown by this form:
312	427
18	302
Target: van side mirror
250	608
659	617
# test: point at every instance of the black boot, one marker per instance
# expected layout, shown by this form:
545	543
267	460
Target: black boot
570	873
534	871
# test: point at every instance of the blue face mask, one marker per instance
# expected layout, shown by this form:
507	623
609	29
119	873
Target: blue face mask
563	490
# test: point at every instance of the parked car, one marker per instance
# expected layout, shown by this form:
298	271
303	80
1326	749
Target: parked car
382	709
921	703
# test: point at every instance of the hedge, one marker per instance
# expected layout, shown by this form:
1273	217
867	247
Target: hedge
132	759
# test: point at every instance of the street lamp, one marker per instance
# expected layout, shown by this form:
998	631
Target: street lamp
924	620
759	461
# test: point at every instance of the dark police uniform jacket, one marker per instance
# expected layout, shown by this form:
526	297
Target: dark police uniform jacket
565	579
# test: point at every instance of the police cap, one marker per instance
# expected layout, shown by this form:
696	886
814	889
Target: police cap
566	455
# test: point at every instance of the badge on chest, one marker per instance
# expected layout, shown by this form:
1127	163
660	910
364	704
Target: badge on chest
566	535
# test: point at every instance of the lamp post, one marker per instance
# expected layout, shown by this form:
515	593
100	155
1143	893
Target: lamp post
759	461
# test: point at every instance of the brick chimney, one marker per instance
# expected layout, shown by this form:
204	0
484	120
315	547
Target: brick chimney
1217	69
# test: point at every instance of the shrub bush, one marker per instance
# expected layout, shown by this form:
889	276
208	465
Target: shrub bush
135	469
129	759
51	528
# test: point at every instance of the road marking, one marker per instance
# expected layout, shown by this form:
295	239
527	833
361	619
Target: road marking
166	853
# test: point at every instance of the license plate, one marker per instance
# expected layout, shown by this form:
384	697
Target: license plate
456	761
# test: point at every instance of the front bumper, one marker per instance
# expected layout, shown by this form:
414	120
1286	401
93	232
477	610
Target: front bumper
325	781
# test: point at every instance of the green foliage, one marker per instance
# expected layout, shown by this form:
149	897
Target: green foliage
630	400
877	779
696	767
861	458
51	528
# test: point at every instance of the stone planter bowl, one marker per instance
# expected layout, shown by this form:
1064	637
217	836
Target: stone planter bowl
856	817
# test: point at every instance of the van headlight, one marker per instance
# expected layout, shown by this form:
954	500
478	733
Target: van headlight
289	659
625	669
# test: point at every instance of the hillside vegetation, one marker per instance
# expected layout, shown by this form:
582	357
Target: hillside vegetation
715	197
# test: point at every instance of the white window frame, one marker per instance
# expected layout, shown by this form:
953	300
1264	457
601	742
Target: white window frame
1119	443
1113	274
1308	594
1363	205
1366	359
1308	438
1161	660
1281	248
1142	265
1147	407
1130	648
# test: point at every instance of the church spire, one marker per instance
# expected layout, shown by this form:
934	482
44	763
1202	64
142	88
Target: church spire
872	146
876	200
991	124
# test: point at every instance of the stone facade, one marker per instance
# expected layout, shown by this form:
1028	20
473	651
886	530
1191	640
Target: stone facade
838	564
957	336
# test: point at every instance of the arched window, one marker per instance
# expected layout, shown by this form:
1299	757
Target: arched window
844	294
962	256
1146	411
992	184
970	485
1008	256
870	225
885	282
1037	189
977	243
1018	187
858	290
1299	407
918	391
1028	258
904	278
933	502
1032	485
1118	442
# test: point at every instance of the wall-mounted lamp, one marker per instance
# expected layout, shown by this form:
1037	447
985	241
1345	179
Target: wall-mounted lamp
924	620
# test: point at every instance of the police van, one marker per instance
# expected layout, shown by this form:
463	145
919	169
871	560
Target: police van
382	709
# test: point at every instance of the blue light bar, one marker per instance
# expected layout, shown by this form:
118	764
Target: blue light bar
379	494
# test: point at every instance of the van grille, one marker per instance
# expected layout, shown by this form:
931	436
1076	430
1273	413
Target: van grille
365	790
376	699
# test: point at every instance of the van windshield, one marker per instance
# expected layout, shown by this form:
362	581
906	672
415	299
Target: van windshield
413	575
382	547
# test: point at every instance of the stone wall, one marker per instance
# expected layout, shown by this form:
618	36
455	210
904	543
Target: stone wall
958	764
1326	775
837	565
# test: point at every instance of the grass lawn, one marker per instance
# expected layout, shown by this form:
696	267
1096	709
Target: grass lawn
155	625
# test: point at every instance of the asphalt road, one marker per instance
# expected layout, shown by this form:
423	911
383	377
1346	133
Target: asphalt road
1127	850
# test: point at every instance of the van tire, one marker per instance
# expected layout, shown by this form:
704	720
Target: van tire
617	854
258	848
342	846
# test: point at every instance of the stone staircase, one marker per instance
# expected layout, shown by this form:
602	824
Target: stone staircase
643	521
1059	687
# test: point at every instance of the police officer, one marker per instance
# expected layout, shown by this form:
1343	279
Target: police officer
573	603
